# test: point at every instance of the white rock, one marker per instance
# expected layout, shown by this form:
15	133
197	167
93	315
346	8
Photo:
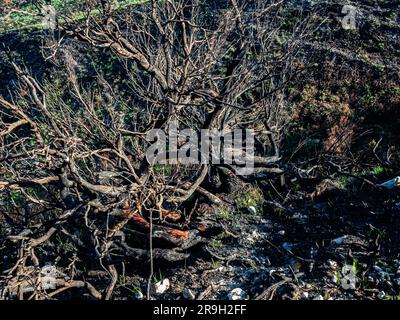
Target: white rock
319	298
305	294
252	209
381	294
378	269
332	264
138	295
237	294
188	294
162	286
255	234
282	232
339	240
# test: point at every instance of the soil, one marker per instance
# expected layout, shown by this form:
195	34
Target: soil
296	251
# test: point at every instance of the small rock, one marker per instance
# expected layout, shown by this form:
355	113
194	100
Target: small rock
237	294
305	294
381	294
162	286
287	246
332	264
252	209
319	298
378	269
339	240
282	232
138	296
255	234
188	294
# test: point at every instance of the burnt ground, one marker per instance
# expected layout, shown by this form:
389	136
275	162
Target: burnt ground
295	249
305	232
321	220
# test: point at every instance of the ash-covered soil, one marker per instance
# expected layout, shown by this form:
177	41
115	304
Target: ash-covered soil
296	249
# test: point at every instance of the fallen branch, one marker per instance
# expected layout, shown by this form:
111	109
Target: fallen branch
267	294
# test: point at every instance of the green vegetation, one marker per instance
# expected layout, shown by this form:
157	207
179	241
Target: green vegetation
344	182
252	196
29	17
378	170
163	169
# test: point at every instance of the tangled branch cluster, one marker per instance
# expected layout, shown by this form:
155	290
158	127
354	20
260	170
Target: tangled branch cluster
79	192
